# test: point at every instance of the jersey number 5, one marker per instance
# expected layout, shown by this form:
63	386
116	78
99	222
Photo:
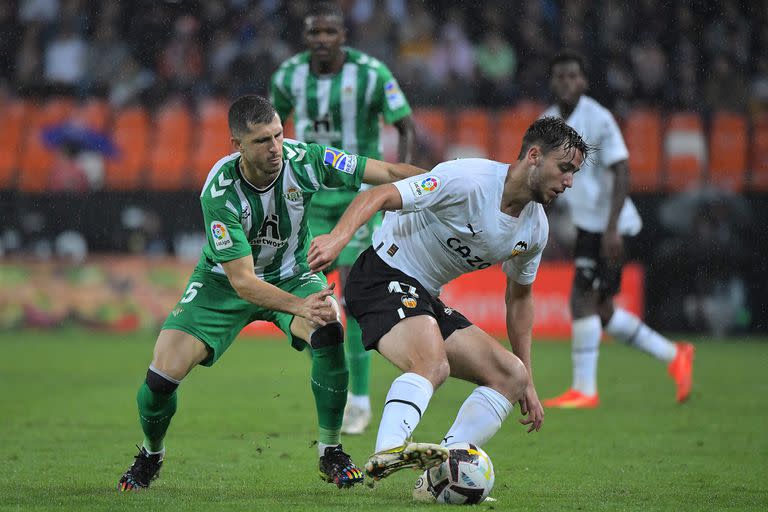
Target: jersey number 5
191	292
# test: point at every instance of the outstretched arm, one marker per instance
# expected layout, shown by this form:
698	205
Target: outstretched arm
378	172
325	248
315	308
519	300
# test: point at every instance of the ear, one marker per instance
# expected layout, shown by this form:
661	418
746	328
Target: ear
235	143
533	156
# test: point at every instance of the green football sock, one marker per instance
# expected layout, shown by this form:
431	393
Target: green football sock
329	385
359	359
155	413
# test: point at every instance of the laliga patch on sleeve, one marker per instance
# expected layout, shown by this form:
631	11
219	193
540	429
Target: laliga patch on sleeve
340	160
425	186
220	235
395	97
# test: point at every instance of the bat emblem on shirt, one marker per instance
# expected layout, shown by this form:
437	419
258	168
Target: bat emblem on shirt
520	247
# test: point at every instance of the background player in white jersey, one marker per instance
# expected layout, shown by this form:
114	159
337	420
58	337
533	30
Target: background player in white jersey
254	267
464	215
338	97
603	215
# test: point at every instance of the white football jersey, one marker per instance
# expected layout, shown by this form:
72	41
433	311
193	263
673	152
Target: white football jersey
590	198
451	223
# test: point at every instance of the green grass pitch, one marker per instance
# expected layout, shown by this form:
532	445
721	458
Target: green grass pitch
243	437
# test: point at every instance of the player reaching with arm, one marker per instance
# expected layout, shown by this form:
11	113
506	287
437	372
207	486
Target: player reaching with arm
254	267
464	215
604	216
338	96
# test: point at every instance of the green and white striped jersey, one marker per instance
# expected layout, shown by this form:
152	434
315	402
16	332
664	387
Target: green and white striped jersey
341	110
270	224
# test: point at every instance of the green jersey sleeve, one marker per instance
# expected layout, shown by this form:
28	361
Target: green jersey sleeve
335	168
226	239
279	96
394	105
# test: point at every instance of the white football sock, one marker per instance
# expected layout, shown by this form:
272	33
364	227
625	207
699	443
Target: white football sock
584	351
629	329
359	401
406	402
479	417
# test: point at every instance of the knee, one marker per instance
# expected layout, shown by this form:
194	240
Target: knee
159	382
327	336
433	366
510	378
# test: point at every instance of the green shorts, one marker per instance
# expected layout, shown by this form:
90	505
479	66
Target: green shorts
212	312
323	218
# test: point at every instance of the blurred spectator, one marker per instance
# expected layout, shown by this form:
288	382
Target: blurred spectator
181	61
29	62
651	70
452	64
129	84
496	65
67	174
65	57
726	87
38	11
106	57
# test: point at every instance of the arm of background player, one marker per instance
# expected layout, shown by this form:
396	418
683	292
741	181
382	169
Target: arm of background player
314	308
405	138
612	243
519	301
325	248
378	173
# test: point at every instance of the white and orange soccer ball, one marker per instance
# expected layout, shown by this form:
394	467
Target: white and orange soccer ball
466	477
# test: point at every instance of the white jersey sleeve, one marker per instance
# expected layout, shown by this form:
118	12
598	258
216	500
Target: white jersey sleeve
434	190
524	262
612	147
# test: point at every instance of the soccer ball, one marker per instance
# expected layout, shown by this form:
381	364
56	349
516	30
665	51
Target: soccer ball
466	477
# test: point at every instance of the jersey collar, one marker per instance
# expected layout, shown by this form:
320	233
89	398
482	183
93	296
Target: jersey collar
253	187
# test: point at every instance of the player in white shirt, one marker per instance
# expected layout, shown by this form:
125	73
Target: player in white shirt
604	215
464	215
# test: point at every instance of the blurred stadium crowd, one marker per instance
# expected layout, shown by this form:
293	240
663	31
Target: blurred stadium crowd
687	80
689	55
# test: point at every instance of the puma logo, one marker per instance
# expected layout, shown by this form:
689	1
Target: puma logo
473	230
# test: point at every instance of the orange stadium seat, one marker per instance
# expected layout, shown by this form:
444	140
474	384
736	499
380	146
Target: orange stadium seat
13	120
432	126
685	151
37	159
94	113
728	151
171	143
510	128
213	138
759	155
642	133
130	134
473	133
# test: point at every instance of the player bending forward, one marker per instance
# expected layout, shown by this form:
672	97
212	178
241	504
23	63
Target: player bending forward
464	215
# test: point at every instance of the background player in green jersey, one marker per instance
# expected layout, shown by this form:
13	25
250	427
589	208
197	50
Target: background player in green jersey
337	96
254	267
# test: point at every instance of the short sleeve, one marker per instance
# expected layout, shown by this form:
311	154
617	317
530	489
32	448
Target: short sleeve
435	189
226	239
336	168
523	268
278	95
612	147
394	105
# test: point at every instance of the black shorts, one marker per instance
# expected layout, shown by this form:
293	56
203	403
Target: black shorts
592	270
379	296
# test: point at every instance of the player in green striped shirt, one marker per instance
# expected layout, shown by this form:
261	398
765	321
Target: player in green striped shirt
254	267
338	97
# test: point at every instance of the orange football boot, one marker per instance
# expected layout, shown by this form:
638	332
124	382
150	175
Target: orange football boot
681	370
573	399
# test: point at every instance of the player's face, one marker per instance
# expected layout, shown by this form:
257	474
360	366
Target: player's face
324	36
568	83
262	146
553	172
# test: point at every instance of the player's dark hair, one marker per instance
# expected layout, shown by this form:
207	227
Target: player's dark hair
566	56
327	9
249	109
550	133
